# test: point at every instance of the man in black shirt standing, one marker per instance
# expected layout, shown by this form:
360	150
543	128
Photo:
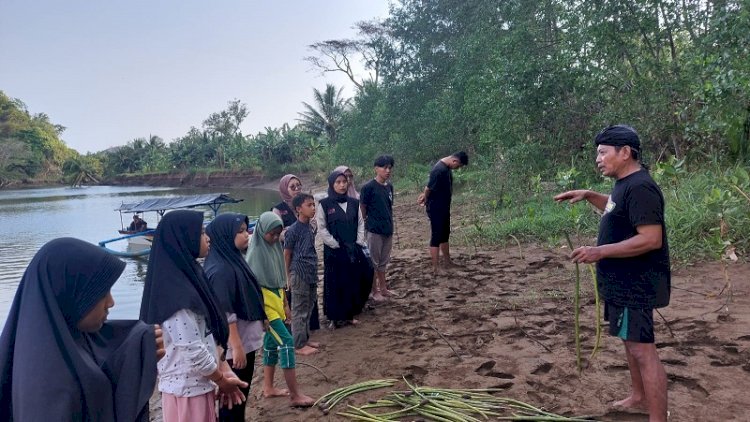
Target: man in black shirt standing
376	202
437	198
632	263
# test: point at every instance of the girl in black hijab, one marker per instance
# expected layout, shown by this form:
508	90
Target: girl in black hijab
176	295
59	358
239	297
347	274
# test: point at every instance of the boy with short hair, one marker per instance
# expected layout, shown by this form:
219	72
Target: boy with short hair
376	203
437	199
301	261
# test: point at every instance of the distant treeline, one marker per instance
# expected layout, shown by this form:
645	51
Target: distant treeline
523	86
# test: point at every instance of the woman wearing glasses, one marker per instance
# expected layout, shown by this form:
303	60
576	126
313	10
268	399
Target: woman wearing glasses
289	187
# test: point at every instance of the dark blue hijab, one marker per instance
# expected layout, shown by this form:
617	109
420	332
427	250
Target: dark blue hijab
49	370
228	274
338	197
175	280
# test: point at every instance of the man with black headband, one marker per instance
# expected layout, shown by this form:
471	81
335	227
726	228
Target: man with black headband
632	262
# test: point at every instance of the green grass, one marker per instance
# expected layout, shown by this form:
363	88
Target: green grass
706	212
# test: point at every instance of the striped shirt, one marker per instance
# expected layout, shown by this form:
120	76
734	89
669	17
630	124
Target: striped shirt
300	239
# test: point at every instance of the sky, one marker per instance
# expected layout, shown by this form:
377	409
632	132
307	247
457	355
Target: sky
113	71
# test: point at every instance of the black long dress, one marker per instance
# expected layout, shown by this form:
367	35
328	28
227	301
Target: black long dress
348	273
288	217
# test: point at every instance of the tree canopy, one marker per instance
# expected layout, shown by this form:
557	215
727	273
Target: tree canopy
30	145
528	84
523	86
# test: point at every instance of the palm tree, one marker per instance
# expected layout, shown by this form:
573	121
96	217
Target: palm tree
79	170
326	116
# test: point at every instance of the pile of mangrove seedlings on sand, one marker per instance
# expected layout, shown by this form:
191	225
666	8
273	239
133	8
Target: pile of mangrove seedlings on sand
435	404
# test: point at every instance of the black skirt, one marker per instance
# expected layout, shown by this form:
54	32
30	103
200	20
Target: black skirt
347	279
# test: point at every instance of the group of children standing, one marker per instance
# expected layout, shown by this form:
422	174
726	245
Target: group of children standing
238	303
203	324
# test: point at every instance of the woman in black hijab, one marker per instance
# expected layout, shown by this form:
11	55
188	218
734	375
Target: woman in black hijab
59	358
347	271
239	297
177	296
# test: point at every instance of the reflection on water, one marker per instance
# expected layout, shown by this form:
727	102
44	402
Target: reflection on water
31	217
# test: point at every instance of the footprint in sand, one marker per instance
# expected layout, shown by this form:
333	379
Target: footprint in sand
691	383
614	368
414	371
485	370
542	368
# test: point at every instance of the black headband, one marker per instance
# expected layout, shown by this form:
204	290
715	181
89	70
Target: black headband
619	136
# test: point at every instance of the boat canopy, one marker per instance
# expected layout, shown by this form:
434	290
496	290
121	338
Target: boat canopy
160	205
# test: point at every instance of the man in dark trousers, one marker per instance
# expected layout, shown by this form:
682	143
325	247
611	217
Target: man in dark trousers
632	263
437	198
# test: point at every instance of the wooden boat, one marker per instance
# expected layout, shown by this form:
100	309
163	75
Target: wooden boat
139	243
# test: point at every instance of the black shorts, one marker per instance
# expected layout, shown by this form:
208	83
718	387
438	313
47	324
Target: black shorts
440	228
630	324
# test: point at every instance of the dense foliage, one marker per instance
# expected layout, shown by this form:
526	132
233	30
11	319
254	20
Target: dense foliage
30	145
522	86
526	85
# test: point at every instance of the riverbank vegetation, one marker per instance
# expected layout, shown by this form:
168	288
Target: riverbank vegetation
523	87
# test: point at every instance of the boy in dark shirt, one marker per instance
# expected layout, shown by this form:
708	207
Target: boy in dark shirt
437	198
376	202
301	261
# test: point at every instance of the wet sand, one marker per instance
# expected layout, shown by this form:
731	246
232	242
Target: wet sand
506	319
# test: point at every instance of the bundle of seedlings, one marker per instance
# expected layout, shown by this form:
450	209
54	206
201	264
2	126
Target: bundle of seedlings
328	401
577	312
447	405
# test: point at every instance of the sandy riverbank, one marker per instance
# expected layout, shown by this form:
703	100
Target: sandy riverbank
508	315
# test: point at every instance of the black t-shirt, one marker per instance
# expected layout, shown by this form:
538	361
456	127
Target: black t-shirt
378	202
441	188
642	281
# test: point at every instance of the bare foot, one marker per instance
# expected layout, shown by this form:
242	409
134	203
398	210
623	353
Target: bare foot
354	322
314	344
275	392
377	297
306	351
302	401
437	272
390	293
631	405
449	265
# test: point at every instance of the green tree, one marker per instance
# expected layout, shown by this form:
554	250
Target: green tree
326	114
38	151
82	169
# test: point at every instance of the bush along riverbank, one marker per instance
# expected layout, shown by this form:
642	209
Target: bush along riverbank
202	178
707	210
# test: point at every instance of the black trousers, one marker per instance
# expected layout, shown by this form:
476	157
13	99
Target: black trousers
237	412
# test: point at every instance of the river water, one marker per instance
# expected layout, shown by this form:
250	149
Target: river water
31	217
